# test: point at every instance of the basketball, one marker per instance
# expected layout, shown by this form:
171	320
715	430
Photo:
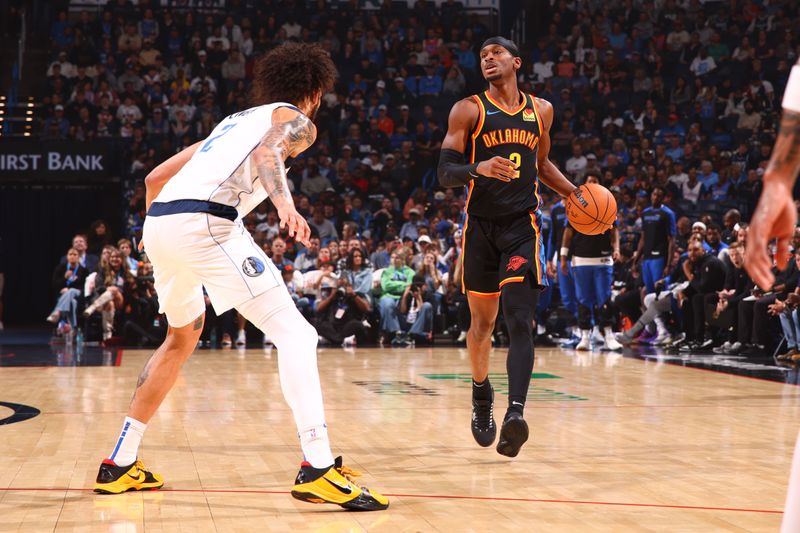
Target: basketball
591	209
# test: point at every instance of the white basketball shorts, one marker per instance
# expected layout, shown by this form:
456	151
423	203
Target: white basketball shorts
190	251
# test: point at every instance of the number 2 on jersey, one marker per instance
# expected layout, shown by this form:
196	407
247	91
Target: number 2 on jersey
517	160
225	129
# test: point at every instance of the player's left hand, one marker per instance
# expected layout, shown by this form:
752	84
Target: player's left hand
298	226
774	218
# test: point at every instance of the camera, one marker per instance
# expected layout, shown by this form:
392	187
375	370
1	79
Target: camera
340	291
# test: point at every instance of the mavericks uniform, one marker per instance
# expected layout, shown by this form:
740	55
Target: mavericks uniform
502	232
658	225
193	232
593	267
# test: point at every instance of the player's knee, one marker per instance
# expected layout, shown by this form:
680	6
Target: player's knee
518	323
482	326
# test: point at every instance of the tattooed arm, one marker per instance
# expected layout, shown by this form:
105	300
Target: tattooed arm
291	133
776	214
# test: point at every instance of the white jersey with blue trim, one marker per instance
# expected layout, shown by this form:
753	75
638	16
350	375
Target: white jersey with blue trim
221	169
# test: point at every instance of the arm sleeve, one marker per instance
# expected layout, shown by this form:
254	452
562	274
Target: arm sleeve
452	171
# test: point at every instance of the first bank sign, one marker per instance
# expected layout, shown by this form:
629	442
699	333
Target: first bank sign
52	160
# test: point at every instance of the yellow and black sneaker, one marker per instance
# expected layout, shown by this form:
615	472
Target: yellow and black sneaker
113	479
335	485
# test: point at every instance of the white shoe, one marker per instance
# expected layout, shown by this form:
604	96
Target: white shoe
241	339
349	341
611	342
663	338
366	323
226	342
540	329
586	343
53	318
462	337
266	341
597	337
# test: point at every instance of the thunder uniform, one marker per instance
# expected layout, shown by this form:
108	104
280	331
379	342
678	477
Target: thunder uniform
193	232
502	232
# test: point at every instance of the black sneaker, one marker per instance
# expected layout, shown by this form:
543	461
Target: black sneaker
484	429
513	435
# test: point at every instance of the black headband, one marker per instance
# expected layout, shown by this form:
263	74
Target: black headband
505	43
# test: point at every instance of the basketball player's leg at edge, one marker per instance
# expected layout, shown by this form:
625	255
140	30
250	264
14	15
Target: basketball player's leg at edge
322	479
519	302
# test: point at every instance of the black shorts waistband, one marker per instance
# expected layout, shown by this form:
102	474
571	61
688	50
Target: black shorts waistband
158	209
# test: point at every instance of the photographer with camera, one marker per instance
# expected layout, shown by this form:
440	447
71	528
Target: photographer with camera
340	314
145	325
416	314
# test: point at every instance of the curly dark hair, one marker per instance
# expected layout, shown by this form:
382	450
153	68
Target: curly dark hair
292	73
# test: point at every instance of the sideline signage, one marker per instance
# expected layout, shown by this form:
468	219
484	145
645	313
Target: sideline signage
47	160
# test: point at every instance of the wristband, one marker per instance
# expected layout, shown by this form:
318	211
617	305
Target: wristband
564	251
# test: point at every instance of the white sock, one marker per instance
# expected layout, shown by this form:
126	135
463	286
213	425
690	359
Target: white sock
296	342
661	327
316	446
128	443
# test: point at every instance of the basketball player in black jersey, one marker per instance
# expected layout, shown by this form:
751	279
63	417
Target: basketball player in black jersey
505	136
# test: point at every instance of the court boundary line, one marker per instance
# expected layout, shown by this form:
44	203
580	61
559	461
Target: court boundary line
643	359
425	496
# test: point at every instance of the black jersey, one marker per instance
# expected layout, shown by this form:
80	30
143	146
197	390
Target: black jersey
658	225
591	245
513	134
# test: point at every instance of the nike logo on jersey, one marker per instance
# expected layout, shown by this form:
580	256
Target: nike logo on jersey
492	112
343	489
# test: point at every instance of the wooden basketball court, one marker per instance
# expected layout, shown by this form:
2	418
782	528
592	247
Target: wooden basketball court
617	444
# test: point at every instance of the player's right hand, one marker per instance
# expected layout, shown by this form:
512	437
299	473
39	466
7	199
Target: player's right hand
298	226
775	217
498	168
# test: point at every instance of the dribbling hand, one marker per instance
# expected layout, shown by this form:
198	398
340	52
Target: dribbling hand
774	218
498	168
298	227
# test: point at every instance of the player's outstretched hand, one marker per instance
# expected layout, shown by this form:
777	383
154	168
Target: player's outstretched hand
498	168
298	227
774	218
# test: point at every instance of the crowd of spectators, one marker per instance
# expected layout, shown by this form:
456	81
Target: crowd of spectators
681	94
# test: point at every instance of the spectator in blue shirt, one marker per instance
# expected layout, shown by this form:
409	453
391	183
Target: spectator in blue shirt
675	150
707	176
673	127
431	83
466	57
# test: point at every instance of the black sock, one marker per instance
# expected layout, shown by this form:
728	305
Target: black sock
515	407
482	391
519	304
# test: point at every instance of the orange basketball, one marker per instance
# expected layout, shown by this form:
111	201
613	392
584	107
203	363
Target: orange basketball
591	209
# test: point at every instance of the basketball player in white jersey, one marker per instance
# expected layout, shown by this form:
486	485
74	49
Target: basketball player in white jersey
194	237
775	218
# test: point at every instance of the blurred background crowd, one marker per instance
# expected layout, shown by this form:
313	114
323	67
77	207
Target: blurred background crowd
677	96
